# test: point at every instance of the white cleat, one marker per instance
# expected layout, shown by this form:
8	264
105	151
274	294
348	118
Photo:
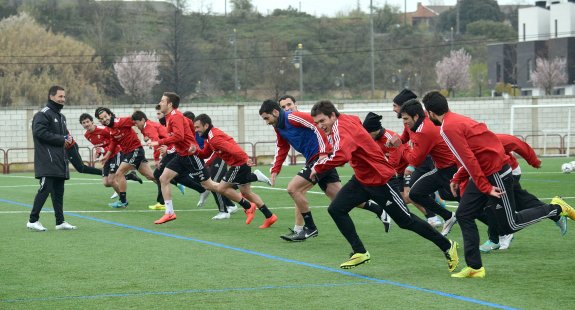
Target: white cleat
36	226
262	177
221	216
448	225
435	221
232	209
114	195
65	226
505	241
203	198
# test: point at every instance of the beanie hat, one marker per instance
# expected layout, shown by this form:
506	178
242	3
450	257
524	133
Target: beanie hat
372	122
403	96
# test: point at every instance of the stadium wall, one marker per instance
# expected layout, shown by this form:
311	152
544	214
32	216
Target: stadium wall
244	123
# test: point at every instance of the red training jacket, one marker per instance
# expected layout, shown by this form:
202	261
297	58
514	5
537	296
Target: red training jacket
426	139
225	147
180	132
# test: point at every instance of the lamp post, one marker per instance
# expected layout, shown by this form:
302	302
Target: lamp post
298	64
236	81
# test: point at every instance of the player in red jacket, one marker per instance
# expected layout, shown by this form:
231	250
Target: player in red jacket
353	145
426	140
481	154
133	155
239	172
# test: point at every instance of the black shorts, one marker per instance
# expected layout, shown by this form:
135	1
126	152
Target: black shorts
239	175
192	165
135	158
112	165
322	179
420	170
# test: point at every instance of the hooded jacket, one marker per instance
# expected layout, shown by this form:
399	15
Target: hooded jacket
49	131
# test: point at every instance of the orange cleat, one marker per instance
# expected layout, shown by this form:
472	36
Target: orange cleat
166	218
269	221
250	213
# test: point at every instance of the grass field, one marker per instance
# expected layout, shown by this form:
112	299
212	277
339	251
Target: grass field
120	259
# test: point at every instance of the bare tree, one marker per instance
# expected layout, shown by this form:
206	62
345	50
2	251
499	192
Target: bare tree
549	74
453	71
138	73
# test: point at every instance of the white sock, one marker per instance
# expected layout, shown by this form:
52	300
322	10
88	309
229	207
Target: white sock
169	207
297	228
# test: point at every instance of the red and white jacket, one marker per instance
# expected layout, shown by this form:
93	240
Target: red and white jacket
425	140
353	144
180	133
223	146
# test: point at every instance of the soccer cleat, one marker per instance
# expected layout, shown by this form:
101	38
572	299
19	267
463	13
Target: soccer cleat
386	220
562	224
232	209
181	188
356	260
435	221
269	221
451	256
118	205
203	198
114	195
262	177
302	235
469	272
567	210
157	206
36	226
166	218
505	241
250	213
221	216
488	246
65	226
448	224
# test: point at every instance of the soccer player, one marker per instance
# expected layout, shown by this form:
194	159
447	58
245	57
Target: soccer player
133	155
414	173
353	145
425	140
296	129
483	157
154	131
100	138
239	172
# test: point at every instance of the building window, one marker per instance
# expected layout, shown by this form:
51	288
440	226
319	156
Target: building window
498	72
523	31
529	69
556	28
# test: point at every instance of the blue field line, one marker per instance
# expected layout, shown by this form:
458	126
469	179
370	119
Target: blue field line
273	257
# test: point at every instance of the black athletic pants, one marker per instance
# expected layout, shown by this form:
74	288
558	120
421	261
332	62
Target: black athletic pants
76	160
354	193
53	187
508	219
422	191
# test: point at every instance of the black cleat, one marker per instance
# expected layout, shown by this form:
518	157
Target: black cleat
303	235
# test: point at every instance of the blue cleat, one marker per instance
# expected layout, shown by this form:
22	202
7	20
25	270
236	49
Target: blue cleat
181	188
118	204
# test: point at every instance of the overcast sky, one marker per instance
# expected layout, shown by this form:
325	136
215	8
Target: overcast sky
324	7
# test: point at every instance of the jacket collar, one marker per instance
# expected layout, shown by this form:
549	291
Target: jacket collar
54	106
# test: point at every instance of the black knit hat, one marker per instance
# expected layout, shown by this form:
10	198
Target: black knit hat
403	96
372	122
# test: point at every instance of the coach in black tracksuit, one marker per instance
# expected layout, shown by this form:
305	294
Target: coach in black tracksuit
50	158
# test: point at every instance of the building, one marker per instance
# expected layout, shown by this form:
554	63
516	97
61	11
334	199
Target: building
546	30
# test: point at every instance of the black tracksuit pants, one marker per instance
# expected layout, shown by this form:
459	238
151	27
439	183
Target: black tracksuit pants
422	191
354	193
76	160
508	219
53	187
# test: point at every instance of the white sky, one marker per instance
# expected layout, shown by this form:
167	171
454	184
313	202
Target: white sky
324	7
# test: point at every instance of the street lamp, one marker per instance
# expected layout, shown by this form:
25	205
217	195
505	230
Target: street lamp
298	64
233	41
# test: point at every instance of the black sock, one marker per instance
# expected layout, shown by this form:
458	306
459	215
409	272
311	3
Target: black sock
123	197
267	213
308	219
245	204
